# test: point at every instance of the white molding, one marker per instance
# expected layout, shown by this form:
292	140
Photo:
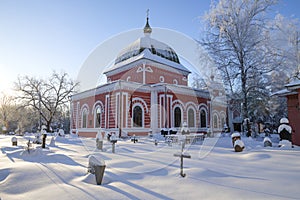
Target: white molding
126	108
203	105
154	110
180	102
191	104
101	106
83	108
107	102
142	100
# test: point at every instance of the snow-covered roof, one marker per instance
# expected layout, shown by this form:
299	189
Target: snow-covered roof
295	83
289	89
283	92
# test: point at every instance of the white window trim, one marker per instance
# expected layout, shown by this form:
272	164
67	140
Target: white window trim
173	115
143	115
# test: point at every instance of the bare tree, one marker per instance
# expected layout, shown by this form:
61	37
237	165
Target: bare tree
48	97
6	108
237	37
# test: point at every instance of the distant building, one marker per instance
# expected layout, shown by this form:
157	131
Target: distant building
146	91
292	93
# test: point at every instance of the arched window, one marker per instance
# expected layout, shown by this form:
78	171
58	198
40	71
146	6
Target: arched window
98	117
191	118
223	121
137	116
84	118
216	119
177	117
203	119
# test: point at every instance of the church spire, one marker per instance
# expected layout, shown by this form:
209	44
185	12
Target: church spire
147	28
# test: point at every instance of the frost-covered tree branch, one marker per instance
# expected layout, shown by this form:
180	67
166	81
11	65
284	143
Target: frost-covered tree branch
236	37
47	96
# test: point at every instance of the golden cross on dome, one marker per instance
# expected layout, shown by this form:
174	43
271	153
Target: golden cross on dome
147	13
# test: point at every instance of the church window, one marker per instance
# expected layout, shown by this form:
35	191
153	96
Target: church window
84	118
162	79
137	116
175	82
216	119
203	118
191	118
98	118
223	121
177	117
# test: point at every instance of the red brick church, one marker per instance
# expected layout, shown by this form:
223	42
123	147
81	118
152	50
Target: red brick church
146	91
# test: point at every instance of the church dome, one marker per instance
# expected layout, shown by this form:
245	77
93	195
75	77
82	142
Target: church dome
154	46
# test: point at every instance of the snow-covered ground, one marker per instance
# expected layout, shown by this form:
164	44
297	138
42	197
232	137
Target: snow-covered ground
145	171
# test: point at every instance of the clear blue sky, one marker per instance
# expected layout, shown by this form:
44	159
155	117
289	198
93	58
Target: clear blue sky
38	36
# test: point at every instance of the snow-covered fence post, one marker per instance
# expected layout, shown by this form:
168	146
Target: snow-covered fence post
113	140
99	141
